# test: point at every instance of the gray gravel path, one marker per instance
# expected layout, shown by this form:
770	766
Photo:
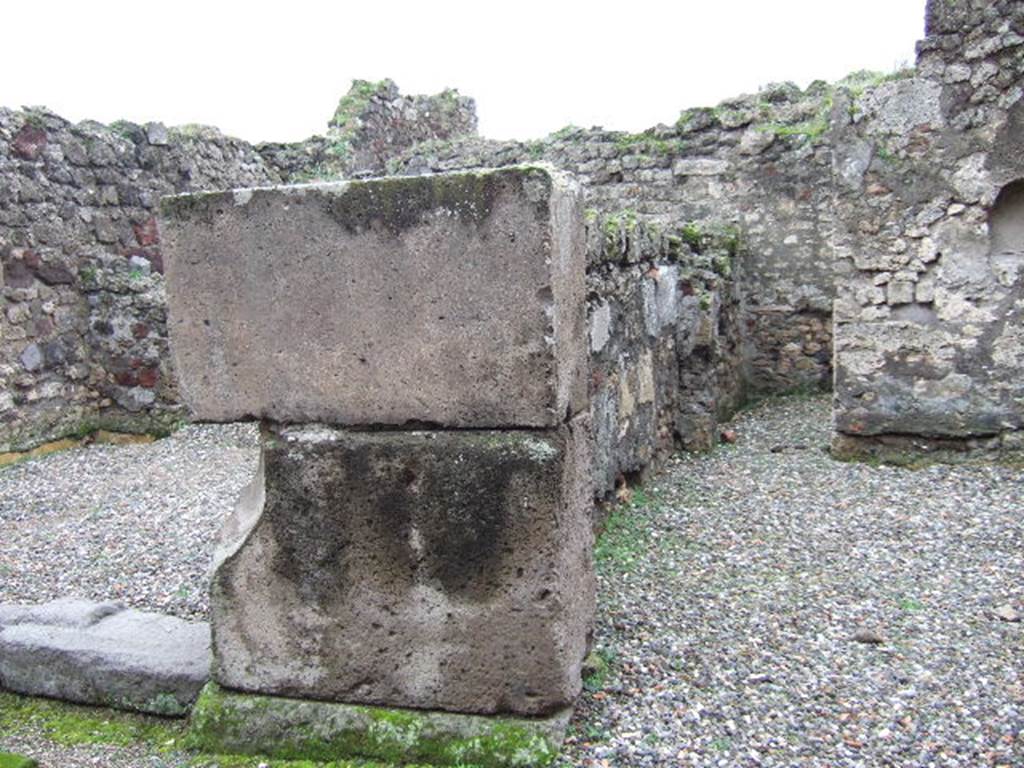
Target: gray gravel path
733	630
132	523
761	606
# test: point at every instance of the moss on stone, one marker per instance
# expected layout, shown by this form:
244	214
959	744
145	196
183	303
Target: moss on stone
696	119
615	223
398	204
808	130
535	150
565	132
353	103
71	724
647	143
9	760
597	669
227	722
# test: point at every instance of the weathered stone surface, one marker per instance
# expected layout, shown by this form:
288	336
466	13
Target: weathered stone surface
438	570
226	722
454	299
101	653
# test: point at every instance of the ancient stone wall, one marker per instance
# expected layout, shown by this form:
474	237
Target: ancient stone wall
82	315
929	171
904	190
84	323
83	340
372	123
665	341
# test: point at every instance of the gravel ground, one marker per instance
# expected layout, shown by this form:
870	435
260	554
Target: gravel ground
745	631
760	606
131	523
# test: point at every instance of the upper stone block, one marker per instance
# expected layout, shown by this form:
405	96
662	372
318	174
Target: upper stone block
456	300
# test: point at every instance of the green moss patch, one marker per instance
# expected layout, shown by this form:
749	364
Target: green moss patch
291	729
7	760
70	724
354	102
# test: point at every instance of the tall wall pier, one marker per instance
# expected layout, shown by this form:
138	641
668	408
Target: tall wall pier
930	248
418	536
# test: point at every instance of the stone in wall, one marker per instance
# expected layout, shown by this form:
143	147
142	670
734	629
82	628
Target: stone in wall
452	299
929	173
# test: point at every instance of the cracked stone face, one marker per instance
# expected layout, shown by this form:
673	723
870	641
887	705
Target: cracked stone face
437	570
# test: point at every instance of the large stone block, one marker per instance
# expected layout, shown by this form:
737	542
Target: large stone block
455	300
443	570
103	653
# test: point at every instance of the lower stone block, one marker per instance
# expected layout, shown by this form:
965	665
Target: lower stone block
226	722
435	570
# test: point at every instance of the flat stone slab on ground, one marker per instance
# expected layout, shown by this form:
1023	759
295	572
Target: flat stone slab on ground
442	570
105	654
227	722
454	300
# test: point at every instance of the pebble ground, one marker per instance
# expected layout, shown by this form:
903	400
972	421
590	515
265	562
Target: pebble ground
762	605
133	523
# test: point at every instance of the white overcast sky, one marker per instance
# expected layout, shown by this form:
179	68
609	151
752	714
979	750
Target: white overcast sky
275	70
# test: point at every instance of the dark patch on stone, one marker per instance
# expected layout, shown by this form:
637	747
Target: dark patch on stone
398	204
146	232
29	142
17	274
457	497
52	273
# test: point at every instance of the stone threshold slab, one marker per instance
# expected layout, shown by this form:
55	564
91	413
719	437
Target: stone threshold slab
227	722
104	654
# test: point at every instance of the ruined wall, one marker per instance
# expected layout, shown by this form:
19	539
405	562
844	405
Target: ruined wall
82	314
758	166
82	337
372	123
904	190
666	357
929	172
